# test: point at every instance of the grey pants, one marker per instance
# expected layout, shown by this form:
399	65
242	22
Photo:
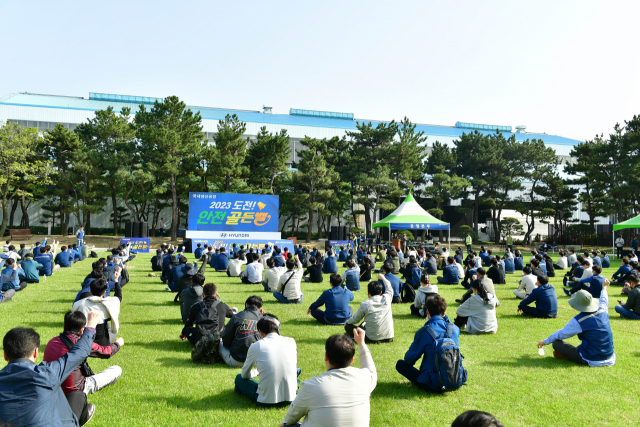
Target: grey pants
7	295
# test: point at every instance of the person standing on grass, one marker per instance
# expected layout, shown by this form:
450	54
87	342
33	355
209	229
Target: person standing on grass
423	346
162	226
619	245
31	394
592	328
275	359
468	240
340	396
544	295
336	301
79	381
630	309
240	332
80	236
376	312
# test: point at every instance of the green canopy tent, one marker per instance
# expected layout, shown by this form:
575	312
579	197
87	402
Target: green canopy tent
410	216
630	223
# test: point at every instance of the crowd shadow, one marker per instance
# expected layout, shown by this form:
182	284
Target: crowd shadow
400	390
166	345
162	304
152	322
227	398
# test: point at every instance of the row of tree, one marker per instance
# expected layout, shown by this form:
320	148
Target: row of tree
150	160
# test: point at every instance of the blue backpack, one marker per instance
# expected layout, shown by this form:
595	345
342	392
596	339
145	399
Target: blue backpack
448	360
416	274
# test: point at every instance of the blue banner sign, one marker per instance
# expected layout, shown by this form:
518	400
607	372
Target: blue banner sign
248	244
138	244
233	212
335	244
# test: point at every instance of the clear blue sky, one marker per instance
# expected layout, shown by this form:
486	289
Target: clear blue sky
569	68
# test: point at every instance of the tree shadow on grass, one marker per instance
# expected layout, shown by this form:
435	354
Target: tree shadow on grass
532	362
55	324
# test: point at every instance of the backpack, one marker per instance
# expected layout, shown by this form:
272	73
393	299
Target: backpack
448	360
159	262
407	293
206	349
93	255
207	319
416	274
85	369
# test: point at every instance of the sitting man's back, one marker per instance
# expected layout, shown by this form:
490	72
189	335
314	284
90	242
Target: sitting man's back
340	396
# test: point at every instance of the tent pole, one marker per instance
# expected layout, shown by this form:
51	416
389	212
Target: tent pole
449	238
613	242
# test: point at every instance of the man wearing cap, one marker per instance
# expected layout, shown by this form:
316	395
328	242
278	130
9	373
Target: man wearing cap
593	329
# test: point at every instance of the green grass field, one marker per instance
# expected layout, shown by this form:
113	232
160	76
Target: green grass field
161	387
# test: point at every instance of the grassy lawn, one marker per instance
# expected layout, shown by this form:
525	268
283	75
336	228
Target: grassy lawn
160	386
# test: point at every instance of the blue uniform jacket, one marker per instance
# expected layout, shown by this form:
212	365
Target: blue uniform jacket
337	301
330	265
545	299
31	395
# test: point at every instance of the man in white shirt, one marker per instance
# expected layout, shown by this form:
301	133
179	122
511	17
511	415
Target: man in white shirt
527	284
11	253
275	358
235	266
460	269
586	273
573	258
272	276
289	291
588	259
376	312
562	263
263	259
252	275
340	396
619	245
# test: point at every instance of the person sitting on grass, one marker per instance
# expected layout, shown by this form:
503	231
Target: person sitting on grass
279	259
478	313
424	291
368	265
31	394
396	284
351	276
30	269
509	264
450	273
329	266
342	255
11	276
252	274
592	328
476	419
376	313
108	307
274	360
549	266
222	261
518	261
234	268
630	309
618	277
544	295
592	284
190	296
63	259
527	284
596	259
78	381
468	275
480	275
562	263
155	265
340	396
606	262
272	276
313	273
85	291
582	272
495	274
394	260
201	323
240	332
430	264
423	346
289	286
336	301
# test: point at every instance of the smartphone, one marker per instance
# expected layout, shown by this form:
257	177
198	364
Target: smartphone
363	325
620	302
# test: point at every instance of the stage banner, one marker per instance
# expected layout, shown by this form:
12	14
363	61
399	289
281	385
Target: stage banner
335	244
233	212
248	244
138	244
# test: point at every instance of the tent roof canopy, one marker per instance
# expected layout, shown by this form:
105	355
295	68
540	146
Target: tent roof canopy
630	223
410	215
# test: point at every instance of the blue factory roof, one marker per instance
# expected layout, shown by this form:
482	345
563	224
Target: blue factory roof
325	120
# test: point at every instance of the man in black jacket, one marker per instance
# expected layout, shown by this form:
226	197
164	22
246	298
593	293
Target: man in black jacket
241	332
313	273
214	324
495	273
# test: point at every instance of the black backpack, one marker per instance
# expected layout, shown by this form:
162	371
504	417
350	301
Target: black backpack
407	293
85	369
207	319
159	262
93	255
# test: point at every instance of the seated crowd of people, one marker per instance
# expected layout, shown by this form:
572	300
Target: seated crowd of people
250	339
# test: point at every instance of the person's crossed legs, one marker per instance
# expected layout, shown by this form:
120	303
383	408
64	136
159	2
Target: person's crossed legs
103	379
623	312
564	350
281	298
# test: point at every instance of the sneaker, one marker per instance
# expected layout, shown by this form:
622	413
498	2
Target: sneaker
167	289
558	355
91	409
566	292
459	301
